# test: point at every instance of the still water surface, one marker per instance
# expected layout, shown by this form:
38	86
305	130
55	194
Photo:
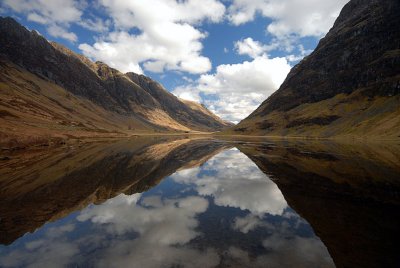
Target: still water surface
200	203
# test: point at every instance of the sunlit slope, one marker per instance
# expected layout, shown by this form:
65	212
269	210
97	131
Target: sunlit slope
47	89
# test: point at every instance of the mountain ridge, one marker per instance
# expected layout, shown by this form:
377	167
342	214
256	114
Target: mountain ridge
126	102
348	86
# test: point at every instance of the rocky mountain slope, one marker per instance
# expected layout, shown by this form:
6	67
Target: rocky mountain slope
349	86
47	89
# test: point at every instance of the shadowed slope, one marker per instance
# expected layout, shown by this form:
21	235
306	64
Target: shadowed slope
349	86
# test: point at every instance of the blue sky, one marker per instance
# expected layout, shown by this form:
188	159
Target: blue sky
229	55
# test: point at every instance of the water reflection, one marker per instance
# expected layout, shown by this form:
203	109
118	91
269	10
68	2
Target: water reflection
233	180
42	186
349	193
200	203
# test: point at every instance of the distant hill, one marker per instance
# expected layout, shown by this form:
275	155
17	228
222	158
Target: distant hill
47	90
349	86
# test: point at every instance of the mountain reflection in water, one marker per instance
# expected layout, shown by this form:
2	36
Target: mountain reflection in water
165	202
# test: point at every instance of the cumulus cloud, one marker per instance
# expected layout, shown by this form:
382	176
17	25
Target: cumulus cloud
51	14
95	24
58	15
42	11
188	92
291	19
166	37
57	31
250	47
302	17
238	89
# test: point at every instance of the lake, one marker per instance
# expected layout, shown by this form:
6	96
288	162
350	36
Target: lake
201	202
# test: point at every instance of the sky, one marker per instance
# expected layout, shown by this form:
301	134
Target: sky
229	55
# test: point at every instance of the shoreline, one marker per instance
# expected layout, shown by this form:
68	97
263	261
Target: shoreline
27	142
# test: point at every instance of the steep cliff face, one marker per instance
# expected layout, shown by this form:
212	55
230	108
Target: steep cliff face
350	84
31	67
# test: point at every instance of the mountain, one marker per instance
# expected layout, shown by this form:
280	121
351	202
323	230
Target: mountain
49	90
349	86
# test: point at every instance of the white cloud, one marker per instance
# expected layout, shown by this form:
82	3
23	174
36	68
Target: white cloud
250	47
188	93
56	14
58	31
239	88
166	36
291	19
37	18
302	17
95	24
42	11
